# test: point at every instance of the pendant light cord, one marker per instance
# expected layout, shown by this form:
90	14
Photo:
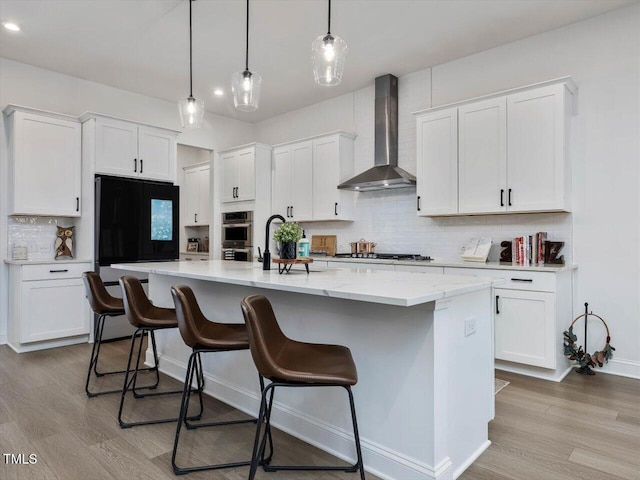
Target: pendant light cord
329	26
246	67
190	54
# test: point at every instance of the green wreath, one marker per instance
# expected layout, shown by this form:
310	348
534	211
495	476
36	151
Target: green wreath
576	353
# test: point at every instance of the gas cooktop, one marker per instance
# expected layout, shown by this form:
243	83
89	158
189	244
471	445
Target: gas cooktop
385	256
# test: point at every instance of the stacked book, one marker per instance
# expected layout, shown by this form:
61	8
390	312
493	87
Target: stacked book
529	250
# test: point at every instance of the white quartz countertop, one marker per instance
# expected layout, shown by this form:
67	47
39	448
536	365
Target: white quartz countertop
457	263
375	286
43	262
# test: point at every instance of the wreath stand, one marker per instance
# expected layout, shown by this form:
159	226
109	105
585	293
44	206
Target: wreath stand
579	354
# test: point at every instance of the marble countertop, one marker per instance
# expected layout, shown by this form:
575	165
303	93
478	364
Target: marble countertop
404	289
43	262
457	263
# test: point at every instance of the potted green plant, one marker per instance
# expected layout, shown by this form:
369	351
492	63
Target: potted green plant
287	237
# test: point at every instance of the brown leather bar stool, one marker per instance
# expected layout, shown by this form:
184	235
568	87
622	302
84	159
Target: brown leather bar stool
203	336
288	363
147	318
103	305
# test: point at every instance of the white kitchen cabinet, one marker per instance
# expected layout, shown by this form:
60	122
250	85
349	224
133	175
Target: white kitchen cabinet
332	165
363	265
531	310
196	195
45	163
238	171
482	156
292	178
437	163
129	149
47	305
420	268
504	153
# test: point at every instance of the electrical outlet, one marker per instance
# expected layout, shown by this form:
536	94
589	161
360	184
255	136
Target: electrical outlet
469	326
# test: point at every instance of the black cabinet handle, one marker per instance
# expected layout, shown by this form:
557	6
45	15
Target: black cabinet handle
291	211
58	271
497	304
502	197
418	203
509	197
335	208
522	280
135	165
289	214
195	217
141	165
77	204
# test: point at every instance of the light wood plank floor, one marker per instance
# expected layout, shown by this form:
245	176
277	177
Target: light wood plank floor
586	428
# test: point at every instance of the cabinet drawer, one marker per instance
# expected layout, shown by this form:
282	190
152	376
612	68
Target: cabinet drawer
514	279
54	271
419	268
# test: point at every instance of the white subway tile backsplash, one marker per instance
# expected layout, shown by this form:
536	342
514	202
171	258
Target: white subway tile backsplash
37	234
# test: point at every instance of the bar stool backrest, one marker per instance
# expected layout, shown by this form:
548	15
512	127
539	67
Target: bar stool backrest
190	317
99	298
266	340
136	303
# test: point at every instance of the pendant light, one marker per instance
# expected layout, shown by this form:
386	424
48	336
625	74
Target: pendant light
245	85
329	52
191	109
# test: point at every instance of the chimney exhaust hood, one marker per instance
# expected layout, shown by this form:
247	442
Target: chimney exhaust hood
385	173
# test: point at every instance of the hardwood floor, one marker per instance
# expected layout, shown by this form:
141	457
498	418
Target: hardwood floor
585	427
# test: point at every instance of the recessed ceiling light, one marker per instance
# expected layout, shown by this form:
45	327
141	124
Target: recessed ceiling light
11	26
218	92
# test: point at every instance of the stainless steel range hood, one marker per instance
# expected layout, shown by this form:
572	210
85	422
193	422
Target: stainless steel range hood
386	173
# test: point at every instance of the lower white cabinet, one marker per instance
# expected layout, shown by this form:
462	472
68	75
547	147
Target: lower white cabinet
531	310
47	305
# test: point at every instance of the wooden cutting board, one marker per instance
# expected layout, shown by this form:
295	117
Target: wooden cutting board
324	243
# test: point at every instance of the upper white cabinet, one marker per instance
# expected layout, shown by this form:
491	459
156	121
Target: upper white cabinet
238	172
504	153
306	175
196	195
45	161
437	167
128	149
292	178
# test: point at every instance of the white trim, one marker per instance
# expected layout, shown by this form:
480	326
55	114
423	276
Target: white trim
19	108
89	115
460	470
536	372
43	345
622	368
342	133
246	145
333	440
3	338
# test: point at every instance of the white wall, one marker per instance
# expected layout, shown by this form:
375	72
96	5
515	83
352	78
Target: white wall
602	234
35	87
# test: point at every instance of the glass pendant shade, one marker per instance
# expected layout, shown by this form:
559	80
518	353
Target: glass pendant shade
329	53
191	112
245	86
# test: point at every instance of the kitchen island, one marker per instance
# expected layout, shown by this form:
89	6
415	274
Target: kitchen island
422	344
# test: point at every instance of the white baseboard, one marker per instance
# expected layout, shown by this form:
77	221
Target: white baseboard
471	459
622	368
45	344
537	372
3	338
379	460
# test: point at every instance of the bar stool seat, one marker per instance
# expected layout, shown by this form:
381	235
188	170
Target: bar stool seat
104	305
293	364
147	318
203	336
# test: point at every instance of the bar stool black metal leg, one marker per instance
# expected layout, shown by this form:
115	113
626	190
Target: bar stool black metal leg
359	466
127	382
265	461
155	353
256	453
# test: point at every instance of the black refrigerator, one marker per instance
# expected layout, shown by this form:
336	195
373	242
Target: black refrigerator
135	221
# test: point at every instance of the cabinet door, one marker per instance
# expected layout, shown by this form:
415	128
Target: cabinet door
302	184
53	309
437	163
229	164
524	325
536	148
117	148
246	180
204	202
326	177
282	181
46	162
482	156
157	154
191	197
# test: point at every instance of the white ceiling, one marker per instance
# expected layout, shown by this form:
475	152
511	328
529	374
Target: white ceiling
142	45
